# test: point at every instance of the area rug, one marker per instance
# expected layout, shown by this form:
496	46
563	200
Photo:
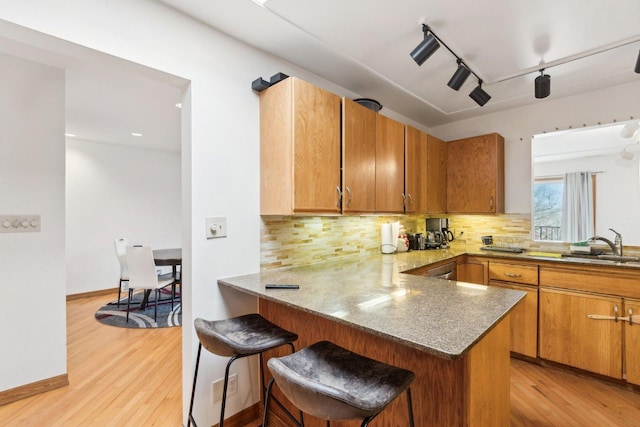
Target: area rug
113	315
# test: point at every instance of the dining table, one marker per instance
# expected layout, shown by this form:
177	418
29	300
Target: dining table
166	257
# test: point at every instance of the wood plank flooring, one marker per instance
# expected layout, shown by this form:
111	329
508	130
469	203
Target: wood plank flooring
121	377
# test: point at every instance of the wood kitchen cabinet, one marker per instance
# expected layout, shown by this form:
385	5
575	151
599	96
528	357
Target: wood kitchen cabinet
358	158
524	317
475	174
425	172
474	270
567	335
632	342
389	165
299	149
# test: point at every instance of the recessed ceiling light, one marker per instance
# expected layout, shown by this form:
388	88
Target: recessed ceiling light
136	134
260	2
70	135
179	104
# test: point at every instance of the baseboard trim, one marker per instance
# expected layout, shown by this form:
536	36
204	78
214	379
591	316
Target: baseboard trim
244	417
32	389
113	291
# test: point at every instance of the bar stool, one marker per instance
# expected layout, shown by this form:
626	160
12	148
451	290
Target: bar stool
332	383
236	338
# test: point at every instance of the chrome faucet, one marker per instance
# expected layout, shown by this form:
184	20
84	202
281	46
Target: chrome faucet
616	246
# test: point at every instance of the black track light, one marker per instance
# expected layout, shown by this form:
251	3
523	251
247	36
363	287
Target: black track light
459	77
479	95
638	64
542	85
426	48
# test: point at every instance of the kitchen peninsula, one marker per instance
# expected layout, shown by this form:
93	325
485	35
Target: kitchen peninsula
454	336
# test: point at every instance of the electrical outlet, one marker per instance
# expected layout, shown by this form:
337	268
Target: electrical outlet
218	386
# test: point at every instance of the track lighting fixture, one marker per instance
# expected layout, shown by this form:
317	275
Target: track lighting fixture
426	48
459	77
479	95
542	85
429	45
638	64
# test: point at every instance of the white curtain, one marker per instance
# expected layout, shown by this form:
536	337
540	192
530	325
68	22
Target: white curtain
577	207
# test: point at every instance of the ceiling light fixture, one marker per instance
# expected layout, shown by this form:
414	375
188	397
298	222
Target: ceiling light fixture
638	63
542	85
136	134
459	77
479	95
429	45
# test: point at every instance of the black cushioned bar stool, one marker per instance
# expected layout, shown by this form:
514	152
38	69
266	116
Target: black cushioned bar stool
237	337
332	383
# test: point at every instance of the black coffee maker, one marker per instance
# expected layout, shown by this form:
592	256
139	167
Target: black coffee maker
440	227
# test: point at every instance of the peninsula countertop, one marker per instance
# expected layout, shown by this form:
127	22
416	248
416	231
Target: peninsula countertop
441	317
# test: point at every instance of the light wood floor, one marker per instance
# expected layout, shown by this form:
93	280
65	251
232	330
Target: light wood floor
121	377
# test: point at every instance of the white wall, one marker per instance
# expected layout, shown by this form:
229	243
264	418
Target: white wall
32	319
117	191
518	125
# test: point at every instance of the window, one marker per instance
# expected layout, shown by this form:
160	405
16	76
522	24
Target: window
547	209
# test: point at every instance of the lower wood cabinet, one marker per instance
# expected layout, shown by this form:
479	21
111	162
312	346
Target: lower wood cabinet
568	336
632	342
523	319
474	270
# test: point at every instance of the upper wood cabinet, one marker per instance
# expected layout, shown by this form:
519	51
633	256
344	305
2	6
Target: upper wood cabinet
299	149
358	158
435	197
475	175
389	165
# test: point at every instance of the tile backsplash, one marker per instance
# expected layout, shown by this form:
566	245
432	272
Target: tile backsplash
304	240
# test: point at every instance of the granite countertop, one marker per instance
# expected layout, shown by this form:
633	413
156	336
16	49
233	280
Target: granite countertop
440	317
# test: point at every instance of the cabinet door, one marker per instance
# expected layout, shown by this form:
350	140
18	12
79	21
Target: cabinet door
632	342
475	175
435	190
389	165
316	149
523	319
415	170
568	336
473	271
358	158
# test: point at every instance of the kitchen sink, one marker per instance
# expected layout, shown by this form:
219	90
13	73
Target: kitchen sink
604	259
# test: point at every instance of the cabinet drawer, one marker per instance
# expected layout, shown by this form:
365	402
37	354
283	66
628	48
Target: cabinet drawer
598	280
516	273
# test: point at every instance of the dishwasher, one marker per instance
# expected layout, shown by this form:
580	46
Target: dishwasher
445	271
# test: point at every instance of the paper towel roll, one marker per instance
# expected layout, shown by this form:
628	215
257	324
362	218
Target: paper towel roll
388	241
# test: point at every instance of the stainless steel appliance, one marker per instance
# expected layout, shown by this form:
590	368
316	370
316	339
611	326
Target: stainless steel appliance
440	228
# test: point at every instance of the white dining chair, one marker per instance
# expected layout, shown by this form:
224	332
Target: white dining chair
143	275
121	251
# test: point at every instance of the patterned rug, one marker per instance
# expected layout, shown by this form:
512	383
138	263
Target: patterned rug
113	315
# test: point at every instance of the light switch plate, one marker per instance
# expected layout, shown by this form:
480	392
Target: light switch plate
216	226
20	224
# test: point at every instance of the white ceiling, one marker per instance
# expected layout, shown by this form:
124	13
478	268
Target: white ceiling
364	45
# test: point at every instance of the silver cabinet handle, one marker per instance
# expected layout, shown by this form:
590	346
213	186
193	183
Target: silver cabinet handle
410	199
349	199
491	202
630	312
615	312
513	275
446	275
339	196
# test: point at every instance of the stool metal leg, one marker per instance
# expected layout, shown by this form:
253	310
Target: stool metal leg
224	388
264	391
193	389
410	407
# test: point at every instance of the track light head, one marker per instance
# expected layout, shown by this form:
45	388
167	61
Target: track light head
459	77
542	85
426	48
479	95
638	64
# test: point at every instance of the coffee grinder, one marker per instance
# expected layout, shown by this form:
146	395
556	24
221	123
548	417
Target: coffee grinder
440	226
